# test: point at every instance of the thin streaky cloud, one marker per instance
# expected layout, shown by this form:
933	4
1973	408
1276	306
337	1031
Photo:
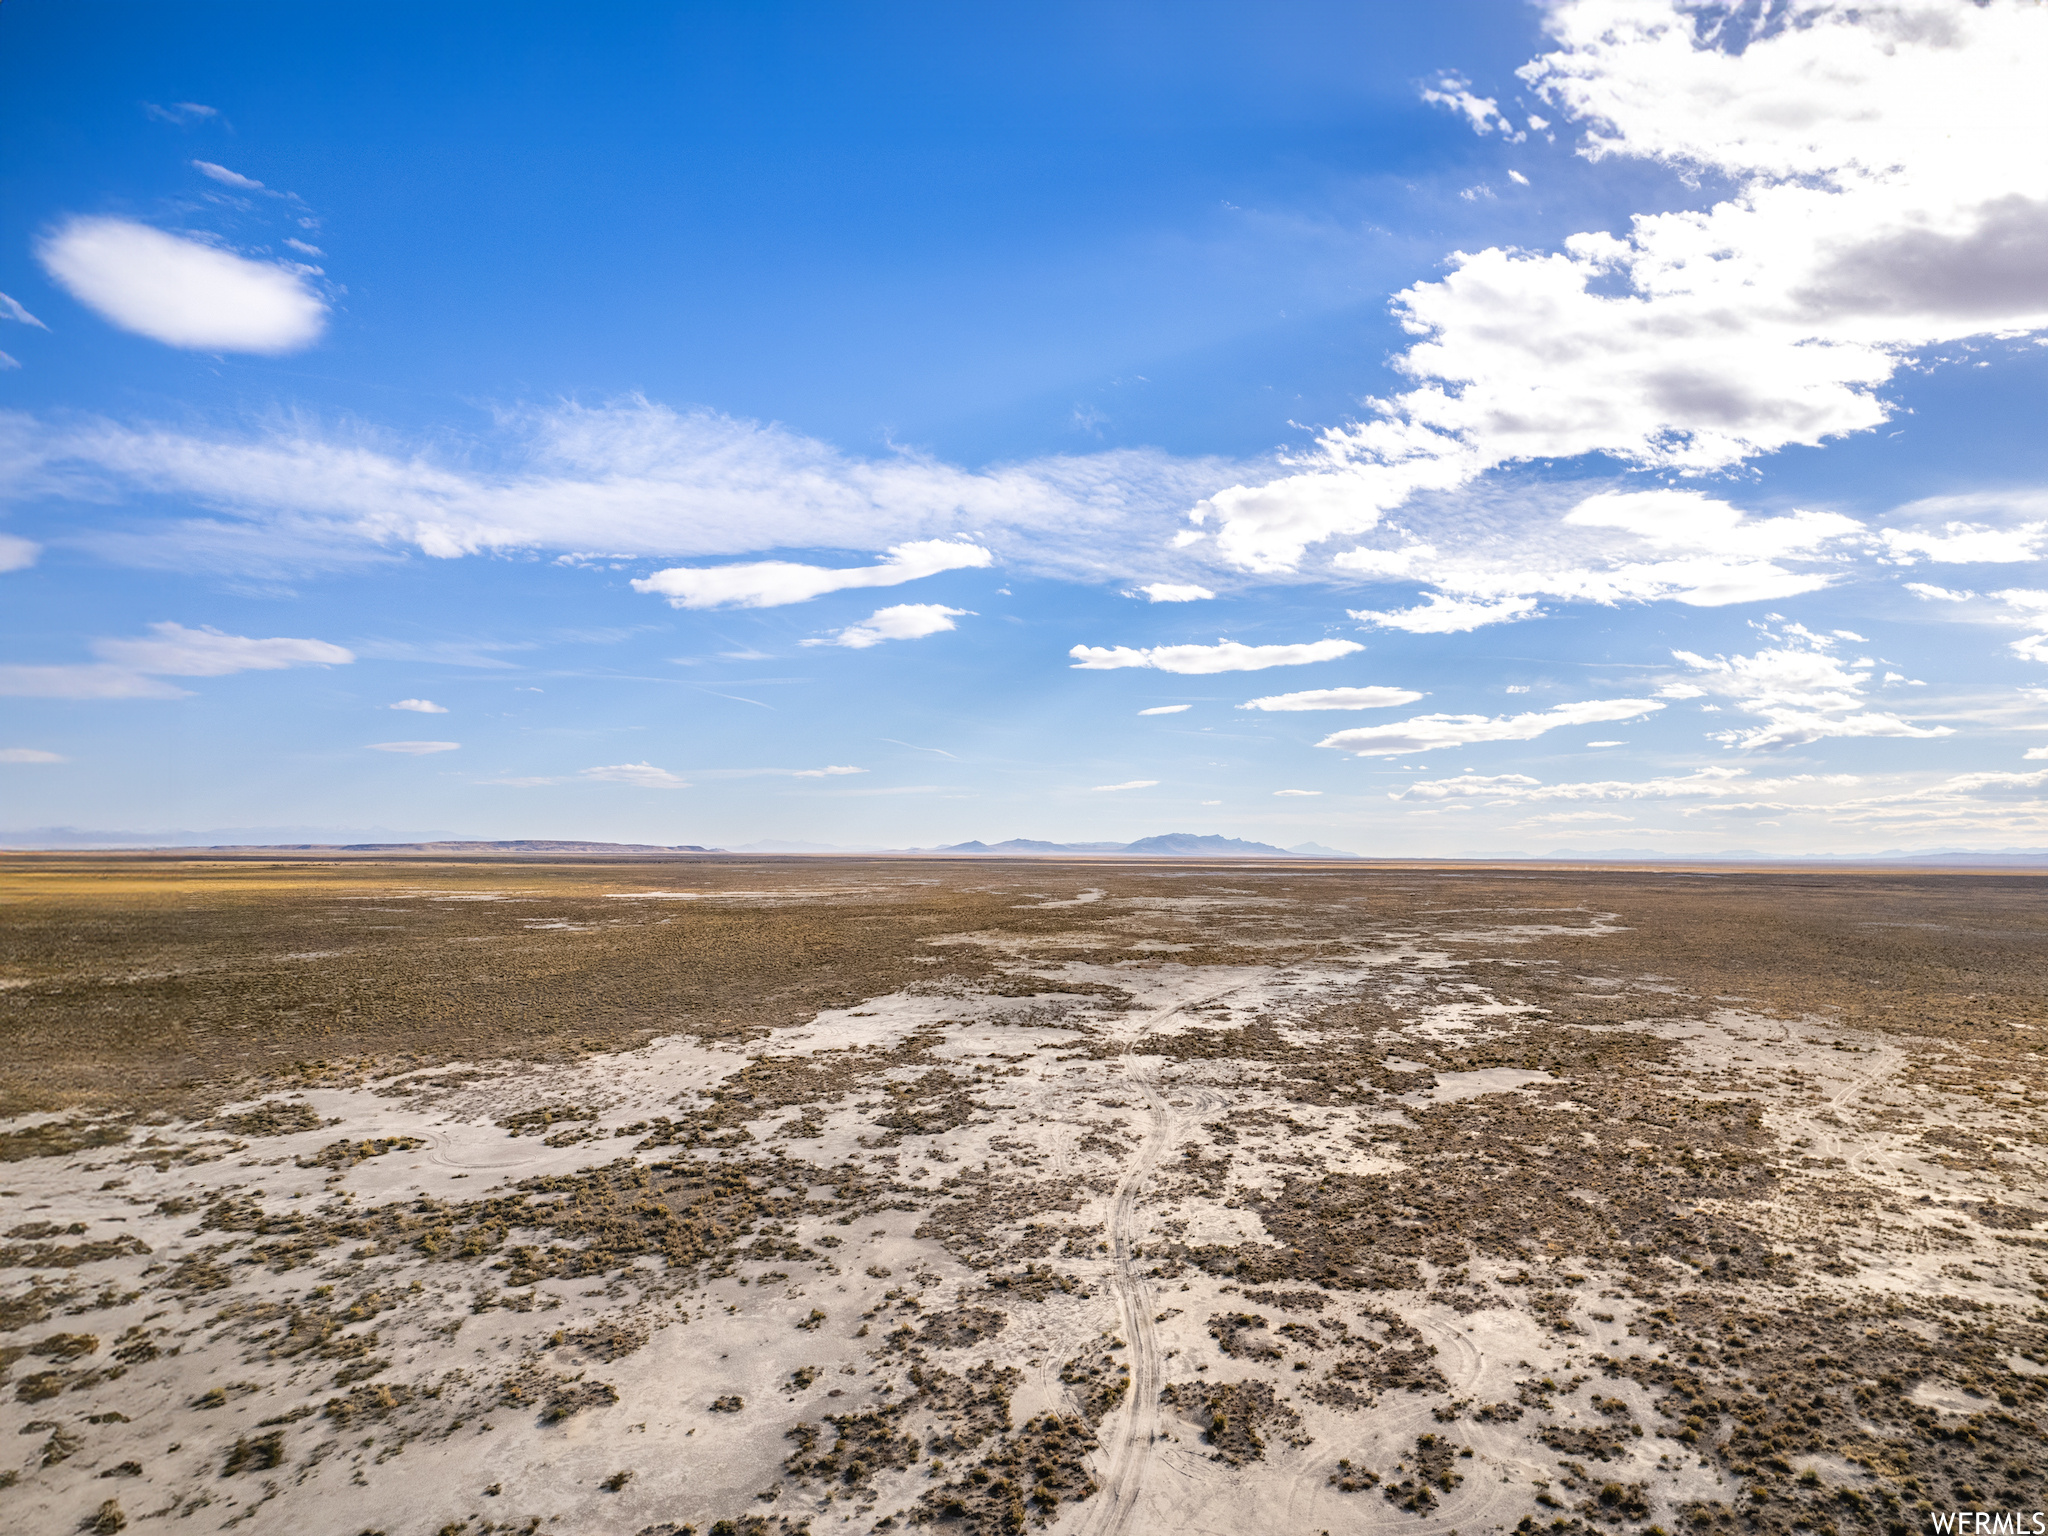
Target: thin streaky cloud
773	583
1335	698
637	775
180	112
1224	656
1428	733
941	751
10	309
226	177
17	553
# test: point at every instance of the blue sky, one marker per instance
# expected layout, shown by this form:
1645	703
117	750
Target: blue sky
1419	430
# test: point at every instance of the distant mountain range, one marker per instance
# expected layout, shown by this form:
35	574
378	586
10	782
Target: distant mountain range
1167	845
217	837
377	840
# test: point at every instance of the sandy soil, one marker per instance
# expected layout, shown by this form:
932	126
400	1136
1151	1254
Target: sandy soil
1092	1198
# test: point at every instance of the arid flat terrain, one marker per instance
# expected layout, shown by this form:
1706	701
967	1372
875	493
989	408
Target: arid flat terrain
438	1197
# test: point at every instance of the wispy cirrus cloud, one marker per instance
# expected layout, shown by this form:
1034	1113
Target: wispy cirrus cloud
415	748
630	477
182	113
131	668
1224	656
1127	784
1712	782
172	649
634	775
420	706
1998	802
226	177
10	309
638	775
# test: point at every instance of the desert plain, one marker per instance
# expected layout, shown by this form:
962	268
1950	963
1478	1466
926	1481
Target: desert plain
444	1196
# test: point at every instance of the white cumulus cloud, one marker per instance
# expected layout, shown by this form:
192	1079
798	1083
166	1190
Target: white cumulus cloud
1800	689
1304	794
420	706
1224	656
904	621
1425	733
2027	606
1169	592
1850	236
1440	615
772	583
1483	113
179	291
1933	594
1960	543
1335	698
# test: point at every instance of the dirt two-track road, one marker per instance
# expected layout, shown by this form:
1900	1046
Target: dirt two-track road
443	1197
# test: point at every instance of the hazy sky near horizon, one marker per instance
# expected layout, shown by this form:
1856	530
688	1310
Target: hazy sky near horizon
1421	430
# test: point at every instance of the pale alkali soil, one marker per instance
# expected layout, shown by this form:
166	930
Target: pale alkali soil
764	1196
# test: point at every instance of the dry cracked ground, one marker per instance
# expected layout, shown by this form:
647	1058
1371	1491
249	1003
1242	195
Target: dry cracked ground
437	1198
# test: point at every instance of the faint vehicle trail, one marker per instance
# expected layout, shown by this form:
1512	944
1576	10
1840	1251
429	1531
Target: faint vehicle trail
1828	1141
1131	1437
1463	1363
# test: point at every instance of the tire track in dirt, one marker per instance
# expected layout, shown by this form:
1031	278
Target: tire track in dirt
1463	1363
1132	1444
1828	1138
